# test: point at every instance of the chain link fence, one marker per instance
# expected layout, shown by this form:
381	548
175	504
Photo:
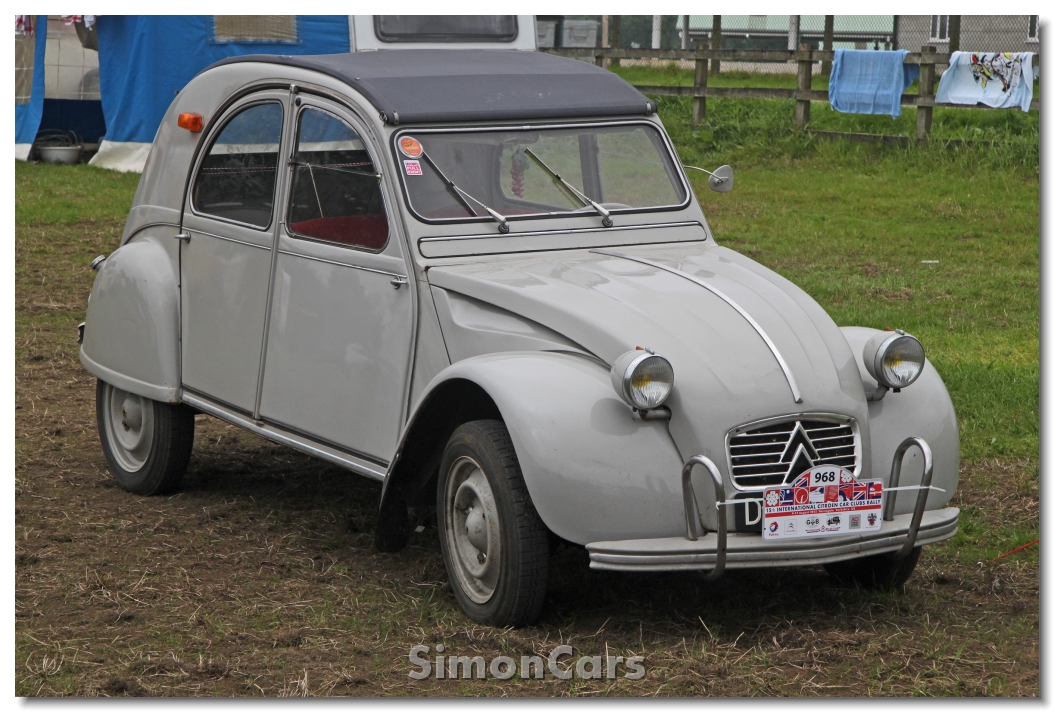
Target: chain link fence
948	33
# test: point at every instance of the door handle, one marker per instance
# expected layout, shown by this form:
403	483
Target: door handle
183	237
398	281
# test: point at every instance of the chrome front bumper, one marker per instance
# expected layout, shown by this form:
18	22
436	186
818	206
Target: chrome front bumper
745	551
698	550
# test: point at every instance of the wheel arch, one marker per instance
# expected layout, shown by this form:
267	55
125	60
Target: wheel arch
447	405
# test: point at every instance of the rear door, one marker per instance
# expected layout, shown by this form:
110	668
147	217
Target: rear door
226	264
340	336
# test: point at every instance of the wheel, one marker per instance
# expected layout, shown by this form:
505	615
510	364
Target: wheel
880	572
147	444
495	546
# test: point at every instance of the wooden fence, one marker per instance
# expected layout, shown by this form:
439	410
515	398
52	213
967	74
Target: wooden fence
803	95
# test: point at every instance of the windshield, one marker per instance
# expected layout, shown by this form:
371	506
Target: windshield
623	168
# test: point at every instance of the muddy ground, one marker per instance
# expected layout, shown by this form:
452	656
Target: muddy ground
259	577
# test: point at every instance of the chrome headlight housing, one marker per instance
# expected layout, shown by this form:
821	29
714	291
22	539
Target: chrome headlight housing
894	359
642	378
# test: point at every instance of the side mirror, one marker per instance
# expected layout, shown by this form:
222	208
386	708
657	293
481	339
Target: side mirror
721	180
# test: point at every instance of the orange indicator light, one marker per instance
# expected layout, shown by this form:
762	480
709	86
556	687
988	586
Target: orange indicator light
191	122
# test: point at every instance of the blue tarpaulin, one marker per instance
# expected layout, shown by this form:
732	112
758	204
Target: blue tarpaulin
145	59
27	116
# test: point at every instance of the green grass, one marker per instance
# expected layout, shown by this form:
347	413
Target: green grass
49	194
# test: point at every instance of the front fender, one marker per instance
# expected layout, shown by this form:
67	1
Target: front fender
923	409
131	330
594	471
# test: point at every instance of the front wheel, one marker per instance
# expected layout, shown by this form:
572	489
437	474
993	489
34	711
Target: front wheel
880	571
147	444
495	546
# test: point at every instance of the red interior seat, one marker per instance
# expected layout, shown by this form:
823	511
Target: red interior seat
369	231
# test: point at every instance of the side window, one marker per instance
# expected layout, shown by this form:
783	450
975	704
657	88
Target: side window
336	194
236	179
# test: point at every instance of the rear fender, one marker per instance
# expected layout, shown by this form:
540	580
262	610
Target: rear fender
131	331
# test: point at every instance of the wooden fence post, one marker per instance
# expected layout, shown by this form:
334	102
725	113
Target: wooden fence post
614	36
715	43
801	108
828	42
954	25
699	102
924	114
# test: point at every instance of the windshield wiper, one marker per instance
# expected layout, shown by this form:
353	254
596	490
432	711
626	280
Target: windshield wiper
503	222
586	200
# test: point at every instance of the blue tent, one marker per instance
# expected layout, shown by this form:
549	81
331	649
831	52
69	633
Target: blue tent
145	59
27	115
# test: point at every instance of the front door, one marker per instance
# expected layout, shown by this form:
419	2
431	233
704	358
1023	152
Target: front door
339	341
226	264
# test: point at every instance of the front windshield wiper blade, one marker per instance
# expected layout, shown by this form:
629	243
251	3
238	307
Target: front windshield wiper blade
586	200
503	222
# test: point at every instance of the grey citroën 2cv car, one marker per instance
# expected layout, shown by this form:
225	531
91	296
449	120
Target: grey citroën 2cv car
474	274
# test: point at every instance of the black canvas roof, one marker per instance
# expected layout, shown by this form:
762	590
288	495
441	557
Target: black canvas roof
418	85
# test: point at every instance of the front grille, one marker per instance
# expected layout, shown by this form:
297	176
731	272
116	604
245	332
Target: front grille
772	453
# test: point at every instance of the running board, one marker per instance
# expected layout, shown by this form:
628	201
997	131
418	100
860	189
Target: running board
283	437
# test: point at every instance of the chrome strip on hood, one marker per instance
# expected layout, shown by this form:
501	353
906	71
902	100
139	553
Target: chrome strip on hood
729	301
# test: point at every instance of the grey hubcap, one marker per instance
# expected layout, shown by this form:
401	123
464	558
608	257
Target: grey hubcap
473	533
129	421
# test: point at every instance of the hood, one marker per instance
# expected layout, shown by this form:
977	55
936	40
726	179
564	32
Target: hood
725	372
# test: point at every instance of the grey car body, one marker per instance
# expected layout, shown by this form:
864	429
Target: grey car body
370	358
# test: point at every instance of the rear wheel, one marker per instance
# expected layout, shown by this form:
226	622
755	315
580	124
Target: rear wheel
147	444
495	546
881	571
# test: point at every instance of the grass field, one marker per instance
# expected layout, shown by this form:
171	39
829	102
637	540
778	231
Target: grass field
259	577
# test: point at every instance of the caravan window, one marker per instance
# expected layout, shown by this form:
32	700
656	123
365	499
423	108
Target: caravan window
445	28
236	179
336	193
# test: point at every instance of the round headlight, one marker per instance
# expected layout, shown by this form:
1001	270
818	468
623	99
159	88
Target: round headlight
642	379
894	359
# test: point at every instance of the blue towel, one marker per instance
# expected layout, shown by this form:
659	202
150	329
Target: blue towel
865	81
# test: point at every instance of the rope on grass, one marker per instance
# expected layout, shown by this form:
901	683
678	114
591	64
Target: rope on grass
1013	551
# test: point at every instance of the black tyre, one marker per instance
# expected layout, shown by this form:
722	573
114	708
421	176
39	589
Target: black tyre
147	444
495	546
879	572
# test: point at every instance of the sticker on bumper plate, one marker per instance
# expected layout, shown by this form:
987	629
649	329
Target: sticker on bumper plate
822	501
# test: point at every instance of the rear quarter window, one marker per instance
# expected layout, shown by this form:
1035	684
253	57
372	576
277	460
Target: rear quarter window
236	179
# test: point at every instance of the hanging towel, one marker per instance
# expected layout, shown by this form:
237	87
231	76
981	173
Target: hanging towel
865	81
999	79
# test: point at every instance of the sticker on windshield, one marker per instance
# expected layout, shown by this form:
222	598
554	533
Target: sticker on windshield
413	168
411	147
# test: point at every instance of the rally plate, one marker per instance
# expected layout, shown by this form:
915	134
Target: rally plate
822	501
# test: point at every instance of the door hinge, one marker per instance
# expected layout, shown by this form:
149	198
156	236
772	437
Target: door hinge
183	236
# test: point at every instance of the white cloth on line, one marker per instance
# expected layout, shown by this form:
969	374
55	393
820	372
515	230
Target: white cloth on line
998	79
